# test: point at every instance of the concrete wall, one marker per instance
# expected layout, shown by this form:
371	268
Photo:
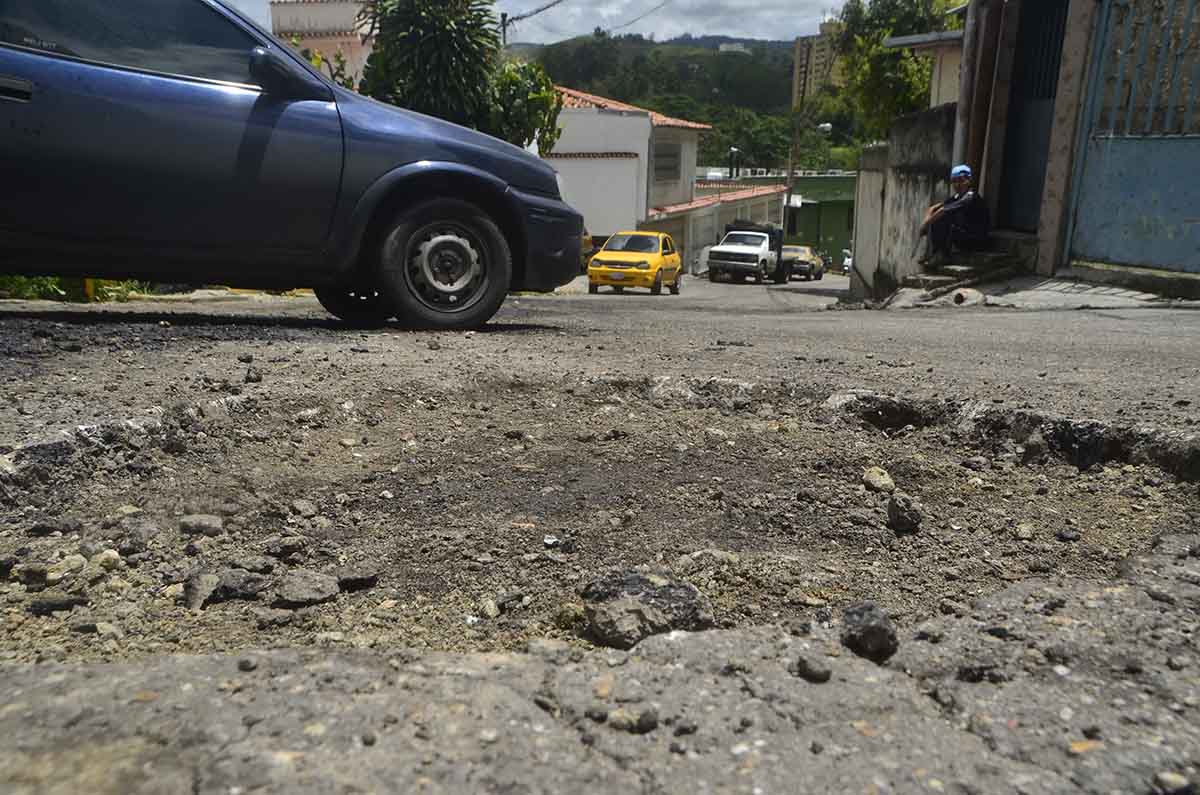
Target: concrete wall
606	191
324	17
1068	113
663	194
920	150
947	67
326	27
589	131
868	219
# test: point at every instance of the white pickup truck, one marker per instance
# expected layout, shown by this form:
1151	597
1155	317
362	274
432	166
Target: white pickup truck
745	253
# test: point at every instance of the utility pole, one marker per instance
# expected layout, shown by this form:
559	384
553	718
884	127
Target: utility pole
506	20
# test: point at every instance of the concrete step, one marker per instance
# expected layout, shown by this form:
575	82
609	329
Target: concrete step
929	281
977	263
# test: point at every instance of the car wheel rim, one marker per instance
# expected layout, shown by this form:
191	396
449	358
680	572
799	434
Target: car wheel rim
446	267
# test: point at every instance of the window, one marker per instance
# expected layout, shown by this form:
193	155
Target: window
668	162
178	37
636	244
668	246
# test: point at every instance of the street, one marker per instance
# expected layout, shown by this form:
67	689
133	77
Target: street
232	476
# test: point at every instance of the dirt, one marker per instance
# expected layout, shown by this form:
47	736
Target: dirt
477	481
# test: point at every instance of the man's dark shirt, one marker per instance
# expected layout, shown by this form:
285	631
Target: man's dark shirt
968	213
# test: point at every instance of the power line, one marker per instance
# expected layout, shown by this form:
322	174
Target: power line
506	20
638	19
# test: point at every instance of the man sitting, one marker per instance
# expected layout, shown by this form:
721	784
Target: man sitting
961	223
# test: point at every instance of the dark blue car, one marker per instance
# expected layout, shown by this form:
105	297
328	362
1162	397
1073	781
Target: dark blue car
176	141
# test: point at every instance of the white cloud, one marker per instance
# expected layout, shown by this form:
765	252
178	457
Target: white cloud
757	19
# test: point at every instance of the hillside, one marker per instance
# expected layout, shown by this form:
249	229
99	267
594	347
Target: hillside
632	68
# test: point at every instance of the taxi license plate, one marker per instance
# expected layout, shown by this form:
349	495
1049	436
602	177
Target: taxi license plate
616	277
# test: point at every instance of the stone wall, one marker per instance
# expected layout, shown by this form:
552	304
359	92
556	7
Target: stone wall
920	149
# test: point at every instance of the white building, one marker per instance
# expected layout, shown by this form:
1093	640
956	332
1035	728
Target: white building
628	168
257	10
325	26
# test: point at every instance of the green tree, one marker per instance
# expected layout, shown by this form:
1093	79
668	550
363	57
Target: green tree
885	84
524	107
436	57
442	58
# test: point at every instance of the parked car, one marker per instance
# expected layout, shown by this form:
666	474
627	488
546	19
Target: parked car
804	262
637	259
177	141
749	251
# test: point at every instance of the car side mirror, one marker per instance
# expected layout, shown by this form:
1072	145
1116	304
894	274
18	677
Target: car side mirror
280	78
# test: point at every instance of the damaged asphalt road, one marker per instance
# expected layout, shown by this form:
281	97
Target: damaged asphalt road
436	532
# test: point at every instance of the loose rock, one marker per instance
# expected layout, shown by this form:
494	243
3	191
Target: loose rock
904	513
623	607
869	633
198	588
202	525
303	587
878	479
49	602
811	669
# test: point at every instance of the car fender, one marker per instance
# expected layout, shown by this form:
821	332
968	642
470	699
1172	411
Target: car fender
385	187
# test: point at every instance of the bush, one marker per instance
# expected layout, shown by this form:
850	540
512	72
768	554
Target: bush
31	287
53	288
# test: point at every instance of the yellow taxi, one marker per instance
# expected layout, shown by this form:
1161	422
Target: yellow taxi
637	259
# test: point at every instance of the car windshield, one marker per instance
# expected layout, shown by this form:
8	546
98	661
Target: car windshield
743	239
799	251
636	244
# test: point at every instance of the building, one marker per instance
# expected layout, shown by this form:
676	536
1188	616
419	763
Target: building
627	168
817	63
1080	119
945	50
258	10
325	26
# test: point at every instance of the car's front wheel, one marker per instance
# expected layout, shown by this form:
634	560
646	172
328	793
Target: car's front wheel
678	285
363	306
445	265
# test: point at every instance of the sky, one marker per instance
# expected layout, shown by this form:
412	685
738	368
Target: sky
753	19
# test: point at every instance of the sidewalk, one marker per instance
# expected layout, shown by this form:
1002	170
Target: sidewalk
1040	293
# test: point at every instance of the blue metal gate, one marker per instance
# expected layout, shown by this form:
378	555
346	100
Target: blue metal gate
1138	195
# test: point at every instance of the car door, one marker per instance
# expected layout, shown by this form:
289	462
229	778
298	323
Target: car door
135	126
671	256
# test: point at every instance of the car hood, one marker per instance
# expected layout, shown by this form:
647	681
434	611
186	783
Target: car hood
625	256
456	143
738	249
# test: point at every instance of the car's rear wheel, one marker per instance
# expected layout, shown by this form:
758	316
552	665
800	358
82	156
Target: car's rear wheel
678	285
656	288
445	265
361	307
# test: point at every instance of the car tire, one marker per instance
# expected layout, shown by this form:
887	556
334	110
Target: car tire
593	289
468	247
656	288
678	285
361	308
758	275
619	290
713	275
820	276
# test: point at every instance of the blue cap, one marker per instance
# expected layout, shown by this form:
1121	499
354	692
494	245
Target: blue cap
959	172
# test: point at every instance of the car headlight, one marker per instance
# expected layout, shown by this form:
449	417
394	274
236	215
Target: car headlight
642	266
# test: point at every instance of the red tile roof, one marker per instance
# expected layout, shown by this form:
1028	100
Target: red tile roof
580	99
724	198
592	156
